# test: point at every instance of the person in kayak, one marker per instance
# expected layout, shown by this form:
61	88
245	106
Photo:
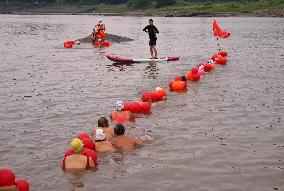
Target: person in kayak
152	30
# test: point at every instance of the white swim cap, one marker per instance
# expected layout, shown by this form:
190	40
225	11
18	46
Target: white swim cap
158	88
100	20
201	67
77	42
100	135
119	105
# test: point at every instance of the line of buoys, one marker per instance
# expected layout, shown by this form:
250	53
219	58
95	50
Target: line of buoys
179	84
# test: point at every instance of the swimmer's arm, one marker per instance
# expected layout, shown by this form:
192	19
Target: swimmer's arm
139	142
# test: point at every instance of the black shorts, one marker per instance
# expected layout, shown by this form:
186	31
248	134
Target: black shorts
152	42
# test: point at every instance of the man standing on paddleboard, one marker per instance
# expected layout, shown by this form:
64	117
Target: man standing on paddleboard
152	30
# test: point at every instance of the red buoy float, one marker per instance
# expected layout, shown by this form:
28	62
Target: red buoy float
195	77
88	143
194	70
146	97
133	107
221	61
207	67
83	135
222	53
145	107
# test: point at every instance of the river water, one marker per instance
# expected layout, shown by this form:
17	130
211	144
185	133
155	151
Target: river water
225	133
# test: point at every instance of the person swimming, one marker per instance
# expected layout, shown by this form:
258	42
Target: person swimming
120	116
102	144
104	125
124	142
77	160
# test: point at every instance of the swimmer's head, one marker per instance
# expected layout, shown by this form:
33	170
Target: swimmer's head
100	135
77	42
119	105
77	145
100	21
103	122
119	129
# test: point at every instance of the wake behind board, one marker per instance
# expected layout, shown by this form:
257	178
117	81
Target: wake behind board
140	60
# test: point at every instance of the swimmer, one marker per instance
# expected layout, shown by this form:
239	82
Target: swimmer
102	144
119	116
124	142
77	160
103	124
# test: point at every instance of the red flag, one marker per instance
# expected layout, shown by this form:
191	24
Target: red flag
219	32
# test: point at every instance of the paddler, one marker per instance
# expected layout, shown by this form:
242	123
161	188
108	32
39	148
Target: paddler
152	30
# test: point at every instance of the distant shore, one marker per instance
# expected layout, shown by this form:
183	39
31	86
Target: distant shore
262	13
262	8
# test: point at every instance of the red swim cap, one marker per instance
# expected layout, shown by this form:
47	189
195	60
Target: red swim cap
22	185
7	177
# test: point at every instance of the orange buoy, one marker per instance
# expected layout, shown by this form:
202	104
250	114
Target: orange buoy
189	75
179	85
161	92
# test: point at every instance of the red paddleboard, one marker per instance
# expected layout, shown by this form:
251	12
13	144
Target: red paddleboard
140	60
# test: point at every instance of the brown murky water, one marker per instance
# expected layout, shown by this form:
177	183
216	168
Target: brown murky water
225	133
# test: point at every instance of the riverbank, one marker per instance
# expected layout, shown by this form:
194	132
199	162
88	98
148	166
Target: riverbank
257	9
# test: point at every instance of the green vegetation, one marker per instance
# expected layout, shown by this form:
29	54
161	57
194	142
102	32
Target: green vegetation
174	7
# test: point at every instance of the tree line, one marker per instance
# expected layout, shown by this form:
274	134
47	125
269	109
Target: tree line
134	4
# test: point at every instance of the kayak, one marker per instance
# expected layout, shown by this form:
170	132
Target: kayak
139	60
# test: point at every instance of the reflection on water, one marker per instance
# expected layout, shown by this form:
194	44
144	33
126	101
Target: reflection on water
75	179
151	70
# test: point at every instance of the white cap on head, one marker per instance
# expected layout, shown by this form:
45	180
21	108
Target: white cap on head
158	88
100	20
77	42
119	105
100	135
